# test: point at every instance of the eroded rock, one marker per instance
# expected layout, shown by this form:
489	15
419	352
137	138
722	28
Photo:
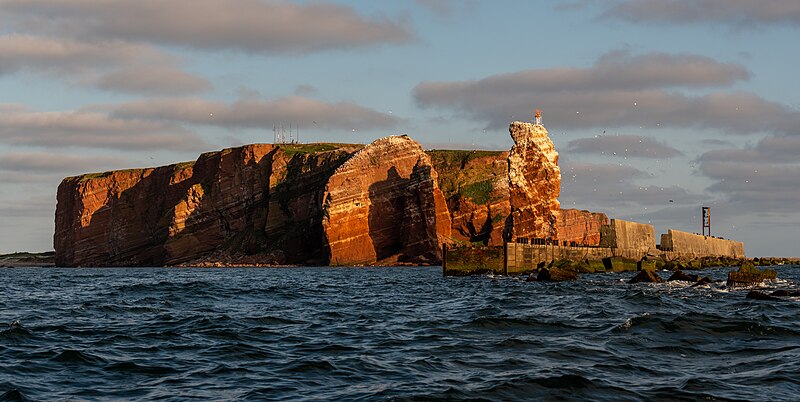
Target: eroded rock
534	183
748	275
646	277
384	202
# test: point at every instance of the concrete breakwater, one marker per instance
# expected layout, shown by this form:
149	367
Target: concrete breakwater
624	246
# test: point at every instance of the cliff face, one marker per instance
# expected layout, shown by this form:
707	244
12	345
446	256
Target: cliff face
336	204
534	182
475	185
385	203
581	227
234	202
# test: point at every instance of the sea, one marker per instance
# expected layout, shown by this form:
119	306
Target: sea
375	334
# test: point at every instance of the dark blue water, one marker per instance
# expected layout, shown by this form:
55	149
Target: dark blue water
387	334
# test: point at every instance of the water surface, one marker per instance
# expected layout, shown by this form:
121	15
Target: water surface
387	334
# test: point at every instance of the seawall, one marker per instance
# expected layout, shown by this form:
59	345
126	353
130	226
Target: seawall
624	246
679	244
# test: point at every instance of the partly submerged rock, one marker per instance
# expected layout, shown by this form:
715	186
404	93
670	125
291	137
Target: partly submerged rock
786	293
748	275
646	277
557	274
684	277
756	295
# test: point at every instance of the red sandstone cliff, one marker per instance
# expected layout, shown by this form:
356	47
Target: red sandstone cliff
475	185
317	204
385	203
236	201
581	227
534	182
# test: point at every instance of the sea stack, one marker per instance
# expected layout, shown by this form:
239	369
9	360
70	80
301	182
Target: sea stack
534	182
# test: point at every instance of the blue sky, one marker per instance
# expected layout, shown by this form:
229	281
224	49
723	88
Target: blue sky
656	107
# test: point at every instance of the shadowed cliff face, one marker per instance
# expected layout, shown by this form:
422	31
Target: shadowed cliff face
384	203
233	202
475	185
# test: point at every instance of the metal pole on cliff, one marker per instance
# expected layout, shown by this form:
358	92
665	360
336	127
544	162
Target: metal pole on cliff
706	220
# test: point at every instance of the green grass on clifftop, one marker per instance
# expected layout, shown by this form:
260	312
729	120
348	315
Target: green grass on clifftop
458	176
295	149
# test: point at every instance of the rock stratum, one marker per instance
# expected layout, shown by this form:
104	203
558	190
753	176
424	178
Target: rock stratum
386	203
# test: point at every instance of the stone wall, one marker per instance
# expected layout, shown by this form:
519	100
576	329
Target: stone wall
690	245
626	235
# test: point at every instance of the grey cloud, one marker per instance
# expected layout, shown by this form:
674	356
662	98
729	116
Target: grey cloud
614	71
739	13
93	130
257	113
33	207
615	94
623	145
446	8
110	65
761	179
275	26
305	90
588	184
56	163
59	55
153	80
770	149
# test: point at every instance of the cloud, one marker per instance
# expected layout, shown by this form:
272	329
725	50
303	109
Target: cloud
760	179
739	13
116	66
257	113
276	26
32	207
591	185
619	90
49	163
305	90
89	129
446	8
59	55
153	80
623	145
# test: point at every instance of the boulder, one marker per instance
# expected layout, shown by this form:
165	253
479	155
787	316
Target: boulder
681	276
748	275
756	295
556	274
646	277
706	280
786	293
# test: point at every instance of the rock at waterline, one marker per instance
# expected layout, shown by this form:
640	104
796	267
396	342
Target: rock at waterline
646	277
749	275
556	274
684	277
786	293
756	295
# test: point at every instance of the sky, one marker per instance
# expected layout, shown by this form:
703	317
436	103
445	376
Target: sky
657	107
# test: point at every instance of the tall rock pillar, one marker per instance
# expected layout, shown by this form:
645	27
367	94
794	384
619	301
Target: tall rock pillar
534	182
